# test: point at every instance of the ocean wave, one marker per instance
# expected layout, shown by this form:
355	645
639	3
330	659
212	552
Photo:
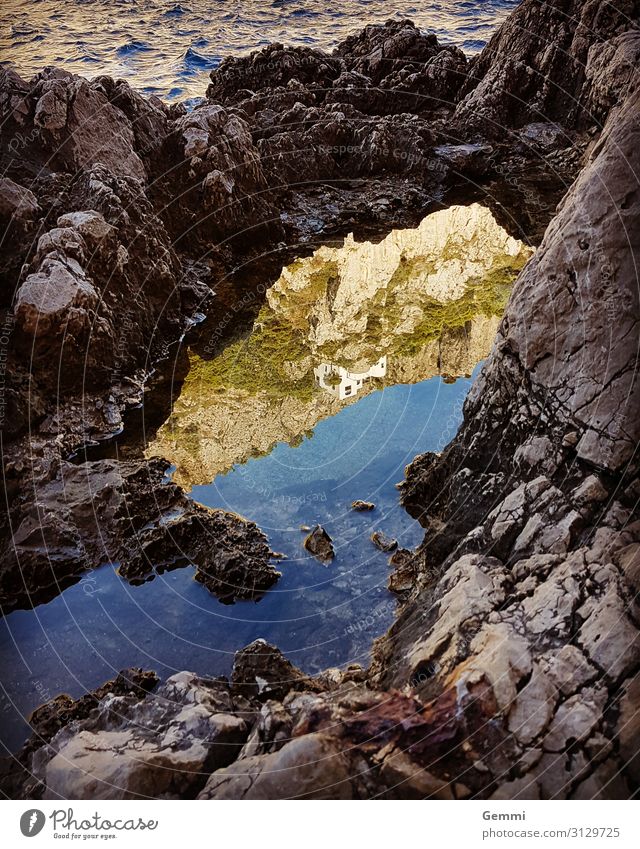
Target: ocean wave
171	46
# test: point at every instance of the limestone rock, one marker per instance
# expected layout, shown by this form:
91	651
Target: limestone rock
262	672
125	513
575	719
628	728
309	767
120	754
533	707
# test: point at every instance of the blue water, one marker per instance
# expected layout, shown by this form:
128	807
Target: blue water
320	615
168	48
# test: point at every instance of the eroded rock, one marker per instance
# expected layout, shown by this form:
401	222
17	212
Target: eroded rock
383	542
319	544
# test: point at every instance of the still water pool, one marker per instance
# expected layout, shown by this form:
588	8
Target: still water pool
359	359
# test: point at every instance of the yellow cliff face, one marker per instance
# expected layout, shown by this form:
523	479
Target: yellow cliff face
339	324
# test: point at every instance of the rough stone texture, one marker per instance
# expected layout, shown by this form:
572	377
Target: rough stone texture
550	432
319	544
15	771
163	746
511	671
383	542
533	72
104	511
309	767
260	671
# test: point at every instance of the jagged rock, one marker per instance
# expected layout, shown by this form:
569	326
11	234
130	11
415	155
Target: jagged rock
567	668
319	543
269	68
628	728
533	707
125	512
262	672
534	65
590	490
309	767
501	656
84	126
605	782
19	212
519	574
399	771
405	571
48	719
575	719
607	628
628	559
363	506
383	542
119	753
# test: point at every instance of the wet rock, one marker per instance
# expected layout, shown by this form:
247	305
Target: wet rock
383	542
362	506
628	727
127	513
319	543
262	672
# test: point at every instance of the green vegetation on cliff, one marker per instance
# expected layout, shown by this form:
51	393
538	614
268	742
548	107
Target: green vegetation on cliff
278	357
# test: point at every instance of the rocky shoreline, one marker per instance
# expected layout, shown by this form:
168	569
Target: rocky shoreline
512	669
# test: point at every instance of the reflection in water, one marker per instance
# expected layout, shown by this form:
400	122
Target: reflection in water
339	324
341	383
404	317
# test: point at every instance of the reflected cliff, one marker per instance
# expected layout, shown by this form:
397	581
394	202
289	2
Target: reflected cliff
337	326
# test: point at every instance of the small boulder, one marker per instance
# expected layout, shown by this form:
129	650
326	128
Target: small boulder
383	542
261	671
318	543
362	506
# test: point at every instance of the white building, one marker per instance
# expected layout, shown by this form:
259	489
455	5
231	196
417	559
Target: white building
345	384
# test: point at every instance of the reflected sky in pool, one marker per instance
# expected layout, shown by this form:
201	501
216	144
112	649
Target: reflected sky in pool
359	359
319	615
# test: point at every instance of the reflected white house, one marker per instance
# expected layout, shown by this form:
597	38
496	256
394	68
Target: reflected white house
341	383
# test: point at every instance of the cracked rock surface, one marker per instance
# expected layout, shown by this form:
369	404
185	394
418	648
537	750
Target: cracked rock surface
512	669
